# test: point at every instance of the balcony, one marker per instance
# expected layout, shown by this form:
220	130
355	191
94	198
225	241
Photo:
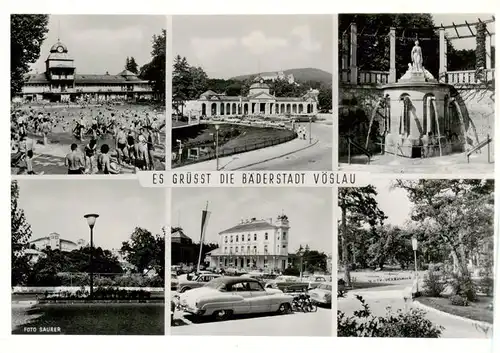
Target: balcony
468	77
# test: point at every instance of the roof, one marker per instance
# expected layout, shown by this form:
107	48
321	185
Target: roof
59	56
259	85
215	251
250	226
230	280
59	44
126	73
37	239
36	78
179	234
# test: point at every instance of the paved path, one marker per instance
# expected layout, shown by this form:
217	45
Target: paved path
389	163
295	324
293	155
392	297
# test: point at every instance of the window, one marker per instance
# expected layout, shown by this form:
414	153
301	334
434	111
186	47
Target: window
236	238
236	249
255	249
265	249
231	238
278	237
239	287
255	287
255	237
242	249
284	235
248	249
249	237
225	250
284	246
266	237
231	250
225	239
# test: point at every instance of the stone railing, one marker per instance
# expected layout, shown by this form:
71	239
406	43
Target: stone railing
373	77
467	76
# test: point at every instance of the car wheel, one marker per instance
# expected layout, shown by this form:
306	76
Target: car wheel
284	308
221	315
185	289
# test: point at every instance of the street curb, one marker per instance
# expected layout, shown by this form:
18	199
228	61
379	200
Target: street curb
276	157
456	317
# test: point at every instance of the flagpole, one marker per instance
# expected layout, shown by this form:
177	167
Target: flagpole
202	235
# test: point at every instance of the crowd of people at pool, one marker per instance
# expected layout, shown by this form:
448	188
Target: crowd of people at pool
134	132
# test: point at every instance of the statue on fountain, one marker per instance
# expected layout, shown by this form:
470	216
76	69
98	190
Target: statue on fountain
416	56
416	71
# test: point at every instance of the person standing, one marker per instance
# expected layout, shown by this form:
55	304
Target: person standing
74	161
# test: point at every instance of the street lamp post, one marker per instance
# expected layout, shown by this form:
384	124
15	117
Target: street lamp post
217	145
414	244
91	218
310	129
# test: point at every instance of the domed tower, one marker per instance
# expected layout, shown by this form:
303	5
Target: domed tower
282	234
60	70
258	86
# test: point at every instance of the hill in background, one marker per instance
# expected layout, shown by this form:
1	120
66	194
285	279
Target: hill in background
300	75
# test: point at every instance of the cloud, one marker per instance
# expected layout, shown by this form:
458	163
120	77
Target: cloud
206	48
258	43
306	41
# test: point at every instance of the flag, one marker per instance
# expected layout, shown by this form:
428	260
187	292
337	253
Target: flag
205	215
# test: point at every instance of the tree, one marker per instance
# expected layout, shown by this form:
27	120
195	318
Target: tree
199	84
358	206
20	235
131	65
325	98
480	51
181	82
145	251
373	39
315	261
456	214
27	33
154	71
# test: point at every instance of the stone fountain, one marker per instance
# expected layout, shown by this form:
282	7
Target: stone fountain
423	117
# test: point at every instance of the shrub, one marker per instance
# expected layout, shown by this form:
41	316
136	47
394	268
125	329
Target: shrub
103	282
412	324
486	285
434	284
463	286
458	300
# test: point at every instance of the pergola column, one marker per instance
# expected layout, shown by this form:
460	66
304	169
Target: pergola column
354	51
442	56
345	58
488	51
392	65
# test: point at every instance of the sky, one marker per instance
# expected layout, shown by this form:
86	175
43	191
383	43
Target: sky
101	43
226	46
392	201
59	206
448	19
309	212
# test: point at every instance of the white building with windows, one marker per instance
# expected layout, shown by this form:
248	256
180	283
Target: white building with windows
258	102
55	242
253	244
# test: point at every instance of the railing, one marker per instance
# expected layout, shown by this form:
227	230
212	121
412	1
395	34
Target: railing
363	150
479	146
468	76
62	77
373	77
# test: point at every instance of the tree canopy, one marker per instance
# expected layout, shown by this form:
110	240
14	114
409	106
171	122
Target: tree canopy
131	65
154	71
145	251
27	33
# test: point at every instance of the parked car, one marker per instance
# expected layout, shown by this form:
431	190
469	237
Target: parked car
322	294
288	284
174	281
172	311
224	296
198	281
315	281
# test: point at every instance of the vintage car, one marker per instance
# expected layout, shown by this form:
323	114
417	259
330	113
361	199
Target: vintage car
196	282
315	281
322	294
225	296
174	281
288	284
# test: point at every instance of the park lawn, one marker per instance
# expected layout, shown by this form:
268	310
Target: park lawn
251	136
476	311
108	319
